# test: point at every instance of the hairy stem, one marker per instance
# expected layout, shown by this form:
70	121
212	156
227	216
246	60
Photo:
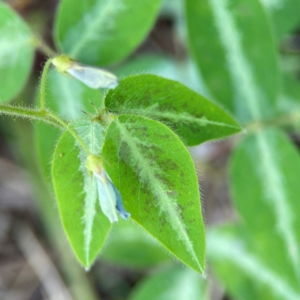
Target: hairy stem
45	116
27	113
43	84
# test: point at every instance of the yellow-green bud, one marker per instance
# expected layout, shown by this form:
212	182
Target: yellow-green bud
94	164
62	63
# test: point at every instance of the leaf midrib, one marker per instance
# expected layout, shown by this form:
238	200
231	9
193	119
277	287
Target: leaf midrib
100	11
175	117
221	247
277	199
241	72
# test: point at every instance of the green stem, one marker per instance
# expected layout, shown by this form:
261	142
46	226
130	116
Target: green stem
52	115
44	48
45	116
27	113
290	51
43	84
288	119
71	130
285	120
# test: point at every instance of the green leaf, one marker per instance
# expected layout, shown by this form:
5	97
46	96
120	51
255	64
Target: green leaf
234	48
16	53
243	272
84	223
265	185
191	116
128	245
102	32
69	98
156	177
284	14
174	283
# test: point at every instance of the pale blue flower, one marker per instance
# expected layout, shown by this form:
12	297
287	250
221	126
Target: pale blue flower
109	197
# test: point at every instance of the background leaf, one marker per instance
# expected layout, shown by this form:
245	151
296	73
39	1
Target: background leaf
284	14
184	71
265	186
84	223
69	98
243	271
174	283
102	32
234	49
130	246
191	116
156	177
16	53
289	100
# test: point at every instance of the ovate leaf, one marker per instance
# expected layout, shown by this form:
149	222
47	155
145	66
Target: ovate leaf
174	283
243	271
70	99
265	186
75	189
16	53
234	48
156	177
190	115
102	32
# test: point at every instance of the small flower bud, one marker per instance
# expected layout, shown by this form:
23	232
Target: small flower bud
94	78
110	198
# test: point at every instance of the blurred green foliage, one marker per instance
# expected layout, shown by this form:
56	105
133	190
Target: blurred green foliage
241	55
